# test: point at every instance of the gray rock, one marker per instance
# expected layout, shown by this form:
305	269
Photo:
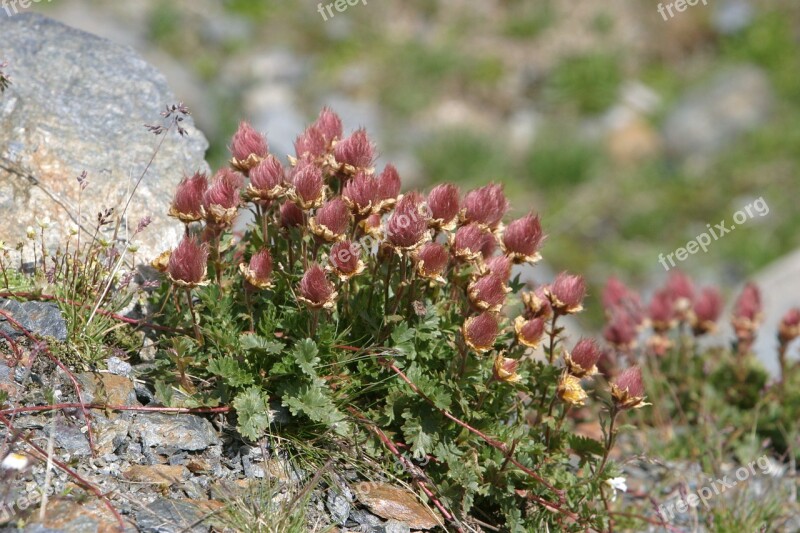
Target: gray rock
170	516
41	318
710	117
79	102
117	366
366	520
185	432
731	16
70	438
338	506
393	526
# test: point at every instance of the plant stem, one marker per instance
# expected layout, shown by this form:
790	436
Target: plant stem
195	326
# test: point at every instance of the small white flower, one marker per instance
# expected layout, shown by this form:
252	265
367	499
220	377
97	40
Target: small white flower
43	223
30	232
14	461
617	483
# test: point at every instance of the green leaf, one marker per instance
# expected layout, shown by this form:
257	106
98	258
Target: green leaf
231	370
256	343
163	393
585	446
305	355
312	401
252	410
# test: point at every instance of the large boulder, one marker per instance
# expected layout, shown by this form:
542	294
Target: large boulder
78	102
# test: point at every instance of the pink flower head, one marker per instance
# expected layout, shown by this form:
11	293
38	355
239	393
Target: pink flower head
662	311
621	330
486	205
505	369
566	293
331	220
537	303
187	264
221	199
529	332
432	259
706	310
345	258
329	125
388	188
311	144
267	179
747	314
316	291
500	265
307	185
258	273
617	296
681	290
789	328
355	152
248	147
469	241
522	239
444	203
628	390
187	206
480	331
489	245
407	227
361	193
371	225
582	361
291	215
488	292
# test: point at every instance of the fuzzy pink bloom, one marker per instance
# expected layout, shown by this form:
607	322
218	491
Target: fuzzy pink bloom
486	205
789	328
628	390
706	311
221	200
444	203
748	305
248	142
188	262
329	125
480	331
617	296
307	185
311	143
332	219
258	273
488	292
661	311
680	286
500	265
187	205
489	245
388	187
529	332
469	241
345	257
267	179
522	239
371	225
537	303
583	358
432	259
621	330
566	293
315	289
356	150
291	214
407	227
361	193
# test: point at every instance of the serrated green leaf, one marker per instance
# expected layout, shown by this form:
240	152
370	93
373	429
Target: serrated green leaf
586	446
305	355
252	410
312	401
256	343
231	370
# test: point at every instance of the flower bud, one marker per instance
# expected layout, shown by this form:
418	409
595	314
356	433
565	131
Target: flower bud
388	188
627	390
355	152
432	259
407	226
529	331
316	291
161	261
789	328
187	205
566	293
522	239
187	265
621	330
706	310
258	273
480	331
221	199
505	369
486	205
331	220
661	311
311	144
248	147
617	296
468	241
345	259
361	194
570	391
488	292
681	291
329	125
443	201
371	226
582	361
537	303
267	180
500	265
307	186
291	215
